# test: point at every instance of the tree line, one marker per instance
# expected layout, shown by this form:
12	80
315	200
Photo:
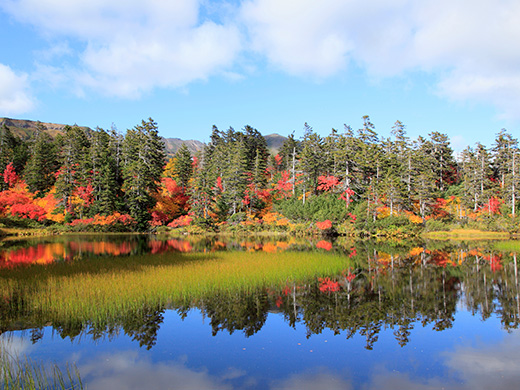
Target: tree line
352	176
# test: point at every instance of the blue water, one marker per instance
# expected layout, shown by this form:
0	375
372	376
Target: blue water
473	354
470	353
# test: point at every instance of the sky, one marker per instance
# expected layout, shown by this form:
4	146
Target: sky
451	66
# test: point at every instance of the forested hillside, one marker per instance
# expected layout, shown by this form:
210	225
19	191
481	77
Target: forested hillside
349	181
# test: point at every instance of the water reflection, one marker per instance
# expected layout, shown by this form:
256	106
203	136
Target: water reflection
383	286
15	253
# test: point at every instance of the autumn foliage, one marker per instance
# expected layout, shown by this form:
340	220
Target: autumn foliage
327	224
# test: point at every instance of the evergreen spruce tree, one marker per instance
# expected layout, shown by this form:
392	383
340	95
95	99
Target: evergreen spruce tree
75	165
288	153
235	177
104	179
12	150
424	189
183	166
346	151
312	159
506	168
143	160
42	162
438	147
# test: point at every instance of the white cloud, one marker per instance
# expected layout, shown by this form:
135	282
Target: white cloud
129	371
127	47
469	44
321	378
14	92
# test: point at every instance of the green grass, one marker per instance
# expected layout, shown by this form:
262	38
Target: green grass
100	290
510	245
465	234
18	373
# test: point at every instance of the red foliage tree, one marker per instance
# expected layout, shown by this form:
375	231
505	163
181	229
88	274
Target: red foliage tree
327	183
10	176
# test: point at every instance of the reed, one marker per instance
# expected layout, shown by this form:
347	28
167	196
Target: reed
510	245
466	234
18	373
98	290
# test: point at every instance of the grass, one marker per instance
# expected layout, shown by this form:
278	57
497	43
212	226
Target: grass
466	234
101	290
25	374
506	246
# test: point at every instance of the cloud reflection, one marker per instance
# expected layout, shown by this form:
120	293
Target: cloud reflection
15	346
472	367
476	366
129	371
310	380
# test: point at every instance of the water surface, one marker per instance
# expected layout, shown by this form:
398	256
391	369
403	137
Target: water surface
394	316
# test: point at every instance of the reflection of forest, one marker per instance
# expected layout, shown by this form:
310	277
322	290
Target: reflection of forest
396	289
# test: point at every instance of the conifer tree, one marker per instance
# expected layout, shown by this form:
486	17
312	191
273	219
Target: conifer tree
438	147
183	166
288	153
346	158
42	163
506	167
424	189
143	161
106	190
12	150
75	166
312	159
235	178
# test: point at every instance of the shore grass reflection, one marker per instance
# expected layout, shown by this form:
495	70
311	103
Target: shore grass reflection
97	290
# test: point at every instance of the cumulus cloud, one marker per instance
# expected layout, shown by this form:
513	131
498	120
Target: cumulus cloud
129	371
469	44
321	378
127	47
14	92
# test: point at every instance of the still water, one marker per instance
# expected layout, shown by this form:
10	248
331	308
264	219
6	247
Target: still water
397	315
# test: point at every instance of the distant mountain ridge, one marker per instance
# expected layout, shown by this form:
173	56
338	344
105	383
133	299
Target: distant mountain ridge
173	144
24	128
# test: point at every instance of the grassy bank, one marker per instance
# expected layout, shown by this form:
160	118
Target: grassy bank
465	234
97	291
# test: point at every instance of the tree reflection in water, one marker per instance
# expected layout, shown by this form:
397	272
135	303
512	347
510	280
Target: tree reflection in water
383	288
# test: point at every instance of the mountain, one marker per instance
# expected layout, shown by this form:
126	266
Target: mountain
25	128
274	142
173	144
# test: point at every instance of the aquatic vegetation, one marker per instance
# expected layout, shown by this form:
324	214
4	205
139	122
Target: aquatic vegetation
23	373
96	290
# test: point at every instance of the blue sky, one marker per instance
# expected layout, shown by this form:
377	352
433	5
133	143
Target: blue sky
436	65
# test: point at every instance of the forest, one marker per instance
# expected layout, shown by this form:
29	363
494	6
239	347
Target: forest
348	182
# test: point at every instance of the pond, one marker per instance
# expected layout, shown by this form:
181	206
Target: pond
136	312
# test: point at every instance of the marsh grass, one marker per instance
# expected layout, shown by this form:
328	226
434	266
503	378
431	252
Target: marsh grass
97	291
510	245
18	373
466	234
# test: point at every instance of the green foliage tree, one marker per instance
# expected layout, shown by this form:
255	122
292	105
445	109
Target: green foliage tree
143	161
183	166
41	166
